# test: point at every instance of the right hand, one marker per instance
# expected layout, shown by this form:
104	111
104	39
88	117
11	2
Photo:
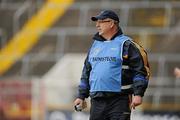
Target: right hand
136	101
177	72
80	102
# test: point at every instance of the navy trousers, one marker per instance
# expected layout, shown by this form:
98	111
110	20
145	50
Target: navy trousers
111	108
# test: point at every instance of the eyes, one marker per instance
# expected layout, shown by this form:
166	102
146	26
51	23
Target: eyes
103	21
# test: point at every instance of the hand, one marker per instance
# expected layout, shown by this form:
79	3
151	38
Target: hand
136	100
177	72
80	102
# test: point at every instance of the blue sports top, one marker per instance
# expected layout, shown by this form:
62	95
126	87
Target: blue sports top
106	59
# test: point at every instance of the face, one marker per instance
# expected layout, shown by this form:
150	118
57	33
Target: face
104	26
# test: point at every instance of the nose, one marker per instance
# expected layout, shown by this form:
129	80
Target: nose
97	24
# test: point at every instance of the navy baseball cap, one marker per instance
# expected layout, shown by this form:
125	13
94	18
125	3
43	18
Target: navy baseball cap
106	14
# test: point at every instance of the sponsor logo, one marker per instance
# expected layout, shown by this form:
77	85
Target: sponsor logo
103	59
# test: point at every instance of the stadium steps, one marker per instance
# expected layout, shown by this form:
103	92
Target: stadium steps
147	17
8	9
6	22
73	44
31	32
78	43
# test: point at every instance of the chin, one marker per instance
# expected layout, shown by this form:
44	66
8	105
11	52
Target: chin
100	33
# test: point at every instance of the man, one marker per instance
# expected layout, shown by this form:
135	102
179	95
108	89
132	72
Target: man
177	72
115	73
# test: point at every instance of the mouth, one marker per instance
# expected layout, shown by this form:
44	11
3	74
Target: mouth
98	29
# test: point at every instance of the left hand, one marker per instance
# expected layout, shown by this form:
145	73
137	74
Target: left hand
136	100
80	102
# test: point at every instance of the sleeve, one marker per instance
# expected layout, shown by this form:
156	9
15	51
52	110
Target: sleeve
138	63
84	83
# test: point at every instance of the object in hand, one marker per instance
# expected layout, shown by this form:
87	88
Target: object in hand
78	108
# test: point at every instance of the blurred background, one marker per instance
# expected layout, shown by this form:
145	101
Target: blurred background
43	44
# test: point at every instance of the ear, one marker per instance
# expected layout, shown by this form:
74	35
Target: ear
112	24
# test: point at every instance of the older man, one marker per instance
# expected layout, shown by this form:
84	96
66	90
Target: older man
115	73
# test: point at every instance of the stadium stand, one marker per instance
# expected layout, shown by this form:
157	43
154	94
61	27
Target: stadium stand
155	24
31	31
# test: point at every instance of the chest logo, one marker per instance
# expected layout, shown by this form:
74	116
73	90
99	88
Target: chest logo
95	51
